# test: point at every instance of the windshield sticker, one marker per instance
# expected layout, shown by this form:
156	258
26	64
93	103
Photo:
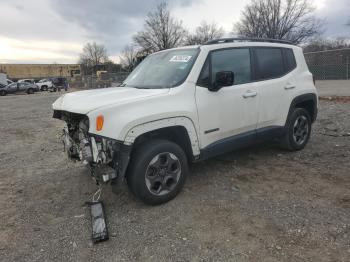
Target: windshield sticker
180	58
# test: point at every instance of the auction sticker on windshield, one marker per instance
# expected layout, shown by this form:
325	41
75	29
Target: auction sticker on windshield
180	58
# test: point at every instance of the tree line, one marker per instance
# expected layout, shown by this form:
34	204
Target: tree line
291	20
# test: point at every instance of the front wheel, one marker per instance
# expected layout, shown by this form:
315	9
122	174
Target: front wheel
30	91
3	93
298	130
157	171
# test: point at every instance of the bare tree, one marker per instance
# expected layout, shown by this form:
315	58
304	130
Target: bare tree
291	20
128	57
161	31
93	54
204	33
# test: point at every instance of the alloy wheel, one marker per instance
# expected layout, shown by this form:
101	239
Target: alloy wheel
163	173
300	129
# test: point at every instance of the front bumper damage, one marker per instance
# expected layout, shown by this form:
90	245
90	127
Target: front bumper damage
106	158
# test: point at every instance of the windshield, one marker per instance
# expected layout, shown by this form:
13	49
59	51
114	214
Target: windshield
163	70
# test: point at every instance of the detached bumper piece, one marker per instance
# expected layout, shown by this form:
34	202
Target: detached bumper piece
98	222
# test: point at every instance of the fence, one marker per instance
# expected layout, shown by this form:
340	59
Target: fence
330	64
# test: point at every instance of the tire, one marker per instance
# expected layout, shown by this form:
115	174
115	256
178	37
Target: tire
44	88
298	130
157	171
3	93
30	91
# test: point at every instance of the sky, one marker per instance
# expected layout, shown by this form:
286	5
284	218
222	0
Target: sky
54	31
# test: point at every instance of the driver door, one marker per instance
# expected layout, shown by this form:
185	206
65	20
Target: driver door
230	114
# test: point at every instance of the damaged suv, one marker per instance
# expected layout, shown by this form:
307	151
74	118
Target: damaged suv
188	104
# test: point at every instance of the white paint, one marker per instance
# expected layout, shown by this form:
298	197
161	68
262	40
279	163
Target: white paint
130	112
169	122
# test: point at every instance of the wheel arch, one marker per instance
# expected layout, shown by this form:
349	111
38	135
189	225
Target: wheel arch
308	102
180	130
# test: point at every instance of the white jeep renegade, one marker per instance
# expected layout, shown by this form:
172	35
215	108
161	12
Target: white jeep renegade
188	104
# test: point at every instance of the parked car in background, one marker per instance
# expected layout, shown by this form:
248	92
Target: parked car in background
59	83
31	81
19	87
44	84
3	78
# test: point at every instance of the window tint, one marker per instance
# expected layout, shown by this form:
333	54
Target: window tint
269	63
290	63
236	60
203	79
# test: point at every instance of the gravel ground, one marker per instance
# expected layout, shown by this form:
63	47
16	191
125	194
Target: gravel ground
257	204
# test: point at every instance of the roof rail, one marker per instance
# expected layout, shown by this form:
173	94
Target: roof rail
248	39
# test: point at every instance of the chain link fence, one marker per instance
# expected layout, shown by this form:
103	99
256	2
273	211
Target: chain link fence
101	81
330	64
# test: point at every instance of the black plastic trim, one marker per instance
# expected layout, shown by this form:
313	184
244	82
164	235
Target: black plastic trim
241	140
248	39
211	130
304	98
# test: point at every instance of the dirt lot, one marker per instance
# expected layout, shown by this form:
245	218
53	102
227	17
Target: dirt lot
258	204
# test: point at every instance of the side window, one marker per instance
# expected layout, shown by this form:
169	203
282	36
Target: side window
204	79
236	60
269	63
289	59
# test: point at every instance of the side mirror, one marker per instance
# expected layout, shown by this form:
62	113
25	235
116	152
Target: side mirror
223	78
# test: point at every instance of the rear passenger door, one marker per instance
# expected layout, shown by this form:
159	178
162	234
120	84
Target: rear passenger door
274	76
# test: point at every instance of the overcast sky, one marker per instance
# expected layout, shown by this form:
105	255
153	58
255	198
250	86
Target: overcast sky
47	31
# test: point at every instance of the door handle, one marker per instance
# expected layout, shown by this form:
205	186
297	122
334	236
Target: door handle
287	87
250	94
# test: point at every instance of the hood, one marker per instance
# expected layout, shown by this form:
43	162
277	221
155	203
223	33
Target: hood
82	102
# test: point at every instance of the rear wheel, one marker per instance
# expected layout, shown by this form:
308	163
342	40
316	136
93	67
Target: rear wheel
3	93
298	130
157	171
30	91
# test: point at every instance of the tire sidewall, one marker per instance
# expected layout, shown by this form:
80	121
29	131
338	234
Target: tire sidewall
296	113
139	163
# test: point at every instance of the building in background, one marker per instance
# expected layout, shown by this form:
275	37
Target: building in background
39	71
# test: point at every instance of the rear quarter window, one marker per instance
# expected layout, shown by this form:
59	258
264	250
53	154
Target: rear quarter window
268	63
289	59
